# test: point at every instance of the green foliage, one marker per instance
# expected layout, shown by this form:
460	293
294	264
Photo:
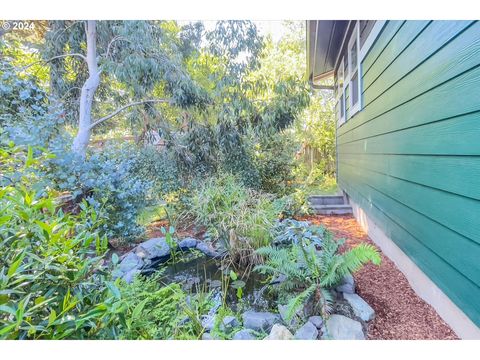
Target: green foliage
231	211
290	231
158	167
145	309
51	266
274	160
106	180
310	270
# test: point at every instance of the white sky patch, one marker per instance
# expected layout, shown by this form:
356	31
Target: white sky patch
275	28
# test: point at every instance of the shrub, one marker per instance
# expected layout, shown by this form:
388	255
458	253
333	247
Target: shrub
107	180
310	270
160	168
291	231
275	160
234	213
51	266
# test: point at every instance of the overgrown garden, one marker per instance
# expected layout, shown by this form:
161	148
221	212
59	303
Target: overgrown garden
135	151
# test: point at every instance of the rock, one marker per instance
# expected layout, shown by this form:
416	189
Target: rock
187	243
279	332
282	310
153	249
207	249
244	334
259	321
347	285
360	307
207	336
307	332
340	327
130	262
317	321
208	321
229	323
129	276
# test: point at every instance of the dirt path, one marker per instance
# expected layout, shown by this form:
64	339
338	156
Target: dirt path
400	313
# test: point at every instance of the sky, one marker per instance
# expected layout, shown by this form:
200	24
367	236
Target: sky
273	27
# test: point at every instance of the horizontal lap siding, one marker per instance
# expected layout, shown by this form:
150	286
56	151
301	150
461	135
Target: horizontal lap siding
411	156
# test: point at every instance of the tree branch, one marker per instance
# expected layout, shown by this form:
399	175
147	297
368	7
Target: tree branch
119	110
116	38
53	58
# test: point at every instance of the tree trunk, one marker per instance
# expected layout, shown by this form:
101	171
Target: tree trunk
82	139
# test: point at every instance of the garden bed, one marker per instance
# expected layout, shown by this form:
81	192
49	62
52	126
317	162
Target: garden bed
400	313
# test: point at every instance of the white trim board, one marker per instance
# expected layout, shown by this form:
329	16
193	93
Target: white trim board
419	281
367	45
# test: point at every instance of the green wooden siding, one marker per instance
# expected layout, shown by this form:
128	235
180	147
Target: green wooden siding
411	157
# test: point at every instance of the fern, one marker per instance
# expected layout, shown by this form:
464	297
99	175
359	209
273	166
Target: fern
312	272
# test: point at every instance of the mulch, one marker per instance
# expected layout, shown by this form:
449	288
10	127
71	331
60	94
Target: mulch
400	314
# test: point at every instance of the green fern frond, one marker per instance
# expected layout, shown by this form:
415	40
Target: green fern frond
298	301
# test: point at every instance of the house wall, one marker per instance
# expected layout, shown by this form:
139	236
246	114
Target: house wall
411	157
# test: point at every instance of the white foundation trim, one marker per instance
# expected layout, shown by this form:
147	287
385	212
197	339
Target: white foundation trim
420	282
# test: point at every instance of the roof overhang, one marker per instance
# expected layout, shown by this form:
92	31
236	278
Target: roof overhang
324	42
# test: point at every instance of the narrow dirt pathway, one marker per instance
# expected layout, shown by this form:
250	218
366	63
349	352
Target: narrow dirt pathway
400	313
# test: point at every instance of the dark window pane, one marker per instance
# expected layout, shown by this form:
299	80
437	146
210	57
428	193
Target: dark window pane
342	107
353	57
354	88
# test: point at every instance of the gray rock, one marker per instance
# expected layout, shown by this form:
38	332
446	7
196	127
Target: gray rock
307	332
360	307
129	276
259	321
229	323
317	321
187	243
244	334
207	336
207	249
153	248
340	327
130	262
279	332
208	321
347	285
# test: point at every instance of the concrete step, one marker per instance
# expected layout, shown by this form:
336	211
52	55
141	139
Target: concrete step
326	200
334	209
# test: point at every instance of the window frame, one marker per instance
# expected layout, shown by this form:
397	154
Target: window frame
340	96
354	38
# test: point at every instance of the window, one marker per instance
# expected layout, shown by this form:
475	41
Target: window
354	71
340	98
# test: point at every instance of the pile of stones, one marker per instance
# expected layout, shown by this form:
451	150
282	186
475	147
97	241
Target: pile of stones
338	326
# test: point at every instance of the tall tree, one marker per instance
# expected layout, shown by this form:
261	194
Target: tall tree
131	58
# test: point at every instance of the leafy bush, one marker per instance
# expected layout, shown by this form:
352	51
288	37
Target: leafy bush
51	266
53	284
107	180
291	231
147	310
275	160
296	203
310	271
231	211
160	168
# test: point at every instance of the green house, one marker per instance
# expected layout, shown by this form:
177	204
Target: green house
407	99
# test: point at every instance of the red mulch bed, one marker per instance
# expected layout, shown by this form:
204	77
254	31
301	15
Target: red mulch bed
400	314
